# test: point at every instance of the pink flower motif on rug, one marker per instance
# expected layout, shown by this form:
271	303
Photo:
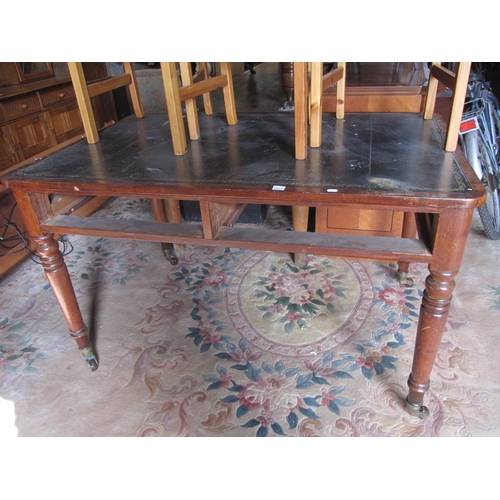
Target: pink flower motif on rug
297	295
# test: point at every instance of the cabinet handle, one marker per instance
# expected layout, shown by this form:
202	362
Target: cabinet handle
61	94
24	106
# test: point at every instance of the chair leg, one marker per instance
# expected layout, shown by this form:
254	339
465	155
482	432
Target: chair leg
174	108
315	104
228	92
340	109
191	110
207	98
300	109
457	106
134	90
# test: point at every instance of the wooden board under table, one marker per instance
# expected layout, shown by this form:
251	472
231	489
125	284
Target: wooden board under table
386	162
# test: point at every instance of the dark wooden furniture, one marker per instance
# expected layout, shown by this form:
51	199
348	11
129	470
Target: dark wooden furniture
36	117
39	115
402	166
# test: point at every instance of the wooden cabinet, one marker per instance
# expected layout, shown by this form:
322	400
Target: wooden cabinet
65	122
40	117
19	107
30	136
56	96
33	121
8	154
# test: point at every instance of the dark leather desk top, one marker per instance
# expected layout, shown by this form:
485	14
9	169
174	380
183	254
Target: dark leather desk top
400	154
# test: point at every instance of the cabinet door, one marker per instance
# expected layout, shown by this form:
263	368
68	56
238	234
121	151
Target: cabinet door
8	154
31	136
65	122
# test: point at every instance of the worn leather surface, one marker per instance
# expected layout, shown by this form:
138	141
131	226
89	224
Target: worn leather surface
391	152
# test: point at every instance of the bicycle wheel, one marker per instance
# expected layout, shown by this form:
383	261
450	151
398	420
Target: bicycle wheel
490	211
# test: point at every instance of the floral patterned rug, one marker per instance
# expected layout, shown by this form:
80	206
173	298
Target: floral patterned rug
232	342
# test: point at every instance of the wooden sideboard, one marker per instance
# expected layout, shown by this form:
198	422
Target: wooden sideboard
38	118
32	121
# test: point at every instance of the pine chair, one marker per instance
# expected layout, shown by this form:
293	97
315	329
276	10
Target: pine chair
84	92
175	95
456	81
308	102
162	211
308	109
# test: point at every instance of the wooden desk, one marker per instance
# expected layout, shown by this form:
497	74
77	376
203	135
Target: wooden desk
374	161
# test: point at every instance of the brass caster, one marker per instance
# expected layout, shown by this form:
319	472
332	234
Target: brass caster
417	410
288	106
170	256
404	279
90	358
92	364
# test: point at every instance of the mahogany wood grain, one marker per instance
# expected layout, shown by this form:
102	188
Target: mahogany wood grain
57	274
448	248
380	248
286	70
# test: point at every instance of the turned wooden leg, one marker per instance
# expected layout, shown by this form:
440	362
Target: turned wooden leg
57	274
286	69
300	218
448	245
432	322
409	231
160	215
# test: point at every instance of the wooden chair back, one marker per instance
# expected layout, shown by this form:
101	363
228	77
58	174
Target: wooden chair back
308	100
308	94
85	91
309	85
456	81
186	91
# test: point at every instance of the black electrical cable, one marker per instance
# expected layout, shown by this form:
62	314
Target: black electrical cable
20	239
